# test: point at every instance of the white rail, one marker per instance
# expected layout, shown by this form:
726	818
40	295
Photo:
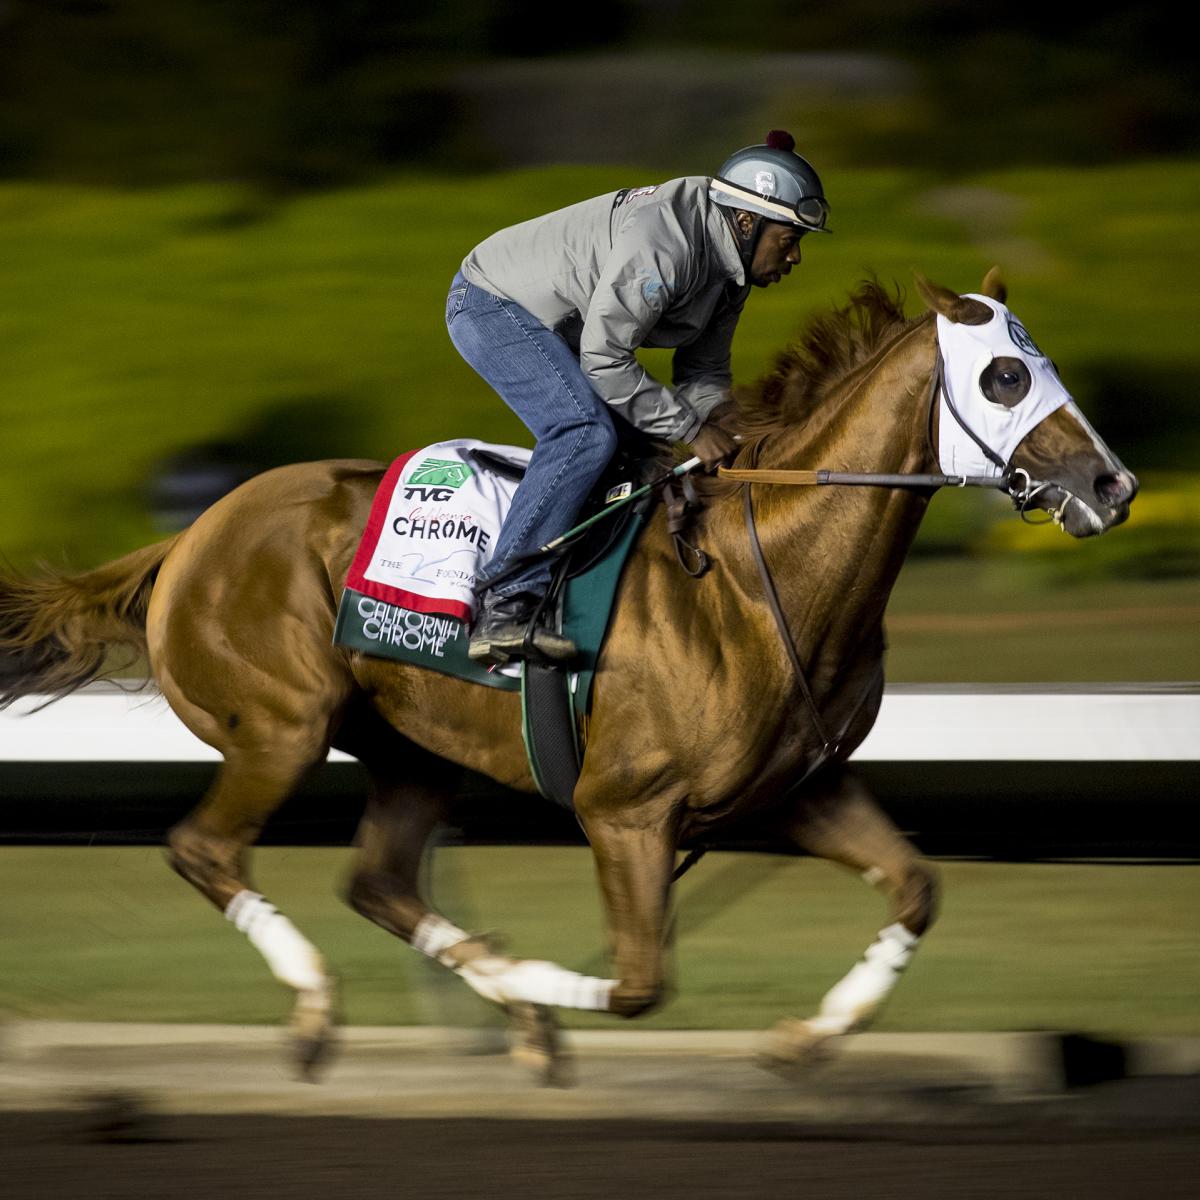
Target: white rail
917	723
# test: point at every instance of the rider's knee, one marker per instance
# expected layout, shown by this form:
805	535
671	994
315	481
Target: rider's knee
600	437
634	999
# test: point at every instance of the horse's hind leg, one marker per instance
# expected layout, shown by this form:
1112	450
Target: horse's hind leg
402	812
840	821
209	848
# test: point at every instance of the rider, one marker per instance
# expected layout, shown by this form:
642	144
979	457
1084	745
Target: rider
550	313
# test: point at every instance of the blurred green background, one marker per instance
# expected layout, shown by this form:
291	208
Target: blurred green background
227	228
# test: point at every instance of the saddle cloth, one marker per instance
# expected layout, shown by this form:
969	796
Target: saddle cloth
434	523
415	605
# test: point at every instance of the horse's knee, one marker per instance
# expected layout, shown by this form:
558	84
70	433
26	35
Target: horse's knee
915	899
367	895
378	898
634	999
211	865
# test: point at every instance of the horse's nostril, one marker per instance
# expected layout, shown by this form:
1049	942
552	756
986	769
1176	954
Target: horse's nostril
1114	489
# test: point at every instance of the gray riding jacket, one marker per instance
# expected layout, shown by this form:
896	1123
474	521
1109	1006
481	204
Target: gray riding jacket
649	266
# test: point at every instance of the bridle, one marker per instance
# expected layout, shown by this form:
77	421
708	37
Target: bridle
1015	482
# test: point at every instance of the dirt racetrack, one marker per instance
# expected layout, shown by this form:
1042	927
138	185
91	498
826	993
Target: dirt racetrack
57	1154
205	1111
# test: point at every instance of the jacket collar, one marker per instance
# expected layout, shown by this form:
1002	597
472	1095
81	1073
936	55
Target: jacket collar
724	244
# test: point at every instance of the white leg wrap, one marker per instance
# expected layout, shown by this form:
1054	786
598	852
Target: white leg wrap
292	958
504	980
854	1000
435	935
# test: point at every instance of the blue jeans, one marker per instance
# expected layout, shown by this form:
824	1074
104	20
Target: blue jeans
539	378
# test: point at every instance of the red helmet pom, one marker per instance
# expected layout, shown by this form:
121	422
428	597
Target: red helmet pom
780	139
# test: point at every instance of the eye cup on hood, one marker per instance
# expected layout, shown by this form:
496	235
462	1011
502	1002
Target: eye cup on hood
1005	381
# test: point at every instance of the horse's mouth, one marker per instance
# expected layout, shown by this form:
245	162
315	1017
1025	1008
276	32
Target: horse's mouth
1075	516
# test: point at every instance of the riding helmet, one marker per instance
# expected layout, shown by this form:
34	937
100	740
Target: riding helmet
773	181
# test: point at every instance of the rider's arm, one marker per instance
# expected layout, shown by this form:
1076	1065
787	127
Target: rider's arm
701	371
645	267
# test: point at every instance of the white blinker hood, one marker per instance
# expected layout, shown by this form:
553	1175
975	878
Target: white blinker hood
966	351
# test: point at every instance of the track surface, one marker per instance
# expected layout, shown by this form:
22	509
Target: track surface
52	1155
108	1113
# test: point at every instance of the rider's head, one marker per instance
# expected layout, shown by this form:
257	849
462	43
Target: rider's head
775	198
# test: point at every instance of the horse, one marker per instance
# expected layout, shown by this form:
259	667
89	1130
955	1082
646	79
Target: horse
738	693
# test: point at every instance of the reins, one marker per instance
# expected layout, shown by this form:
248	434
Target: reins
1009	482
1022	495
828	745
861	479
823	477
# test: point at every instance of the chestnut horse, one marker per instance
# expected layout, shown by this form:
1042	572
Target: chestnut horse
710	702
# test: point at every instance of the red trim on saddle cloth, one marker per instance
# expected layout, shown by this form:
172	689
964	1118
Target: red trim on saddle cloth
366	551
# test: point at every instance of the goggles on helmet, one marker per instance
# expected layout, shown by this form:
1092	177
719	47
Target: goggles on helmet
810	212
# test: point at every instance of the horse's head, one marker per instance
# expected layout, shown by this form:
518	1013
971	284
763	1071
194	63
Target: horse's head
1003	410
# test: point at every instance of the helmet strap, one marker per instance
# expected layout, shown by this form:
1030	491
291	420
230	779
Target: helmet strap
747	243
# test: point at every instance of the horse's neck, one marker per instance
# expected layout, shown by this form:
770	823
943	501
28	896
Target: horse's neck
835	551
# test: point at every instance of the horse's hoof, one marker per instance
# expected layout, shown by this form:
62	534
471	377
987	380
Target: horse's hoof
538	1046
313	1031
793	1048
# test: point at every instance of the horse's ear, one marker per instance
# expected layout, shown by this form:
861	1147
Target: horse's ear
962	310
994	286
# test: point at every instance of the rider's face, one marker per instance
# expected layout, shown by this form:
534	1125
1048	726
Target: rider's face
777	252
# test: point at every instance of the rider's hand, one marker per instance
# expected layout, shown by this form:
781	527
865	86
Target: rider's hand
713	446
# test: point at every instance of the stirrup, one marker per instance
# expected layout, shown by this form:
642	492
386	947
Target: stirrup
512	642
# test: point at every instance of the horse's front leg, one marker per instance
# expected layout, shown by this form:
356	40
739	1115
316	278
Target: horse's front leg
837	819
634	864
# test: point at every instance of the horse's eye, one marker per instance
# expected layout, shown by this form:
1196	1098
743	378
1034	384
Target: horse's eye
1005	381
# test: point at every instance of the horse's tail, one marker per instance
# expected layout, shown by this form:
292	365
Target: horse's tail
56	629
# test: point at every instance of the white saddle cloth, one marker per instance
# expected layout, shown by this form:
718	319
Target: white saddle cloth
433	526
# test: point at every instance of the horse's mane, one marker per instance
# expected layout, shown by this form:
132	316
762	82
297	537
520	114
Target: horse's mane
828	348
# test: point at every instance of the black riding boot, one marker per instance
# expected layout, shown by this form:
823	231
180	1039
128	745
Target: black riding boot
503	634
